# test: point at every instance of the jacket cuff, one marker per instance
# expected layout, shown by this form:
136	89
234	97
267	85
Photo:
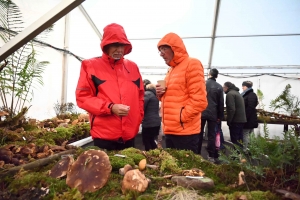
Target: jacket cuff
108	107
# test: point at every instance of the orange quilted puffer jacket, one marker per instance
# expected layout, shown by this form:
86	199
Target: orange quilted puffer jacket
185	96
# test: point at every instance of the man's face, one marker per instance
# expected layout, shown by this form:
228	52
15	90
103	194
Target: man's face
116	50
166	53
225	88
244	87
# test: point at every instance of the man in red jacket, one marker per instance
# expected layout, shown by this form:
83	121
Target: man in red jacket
111	89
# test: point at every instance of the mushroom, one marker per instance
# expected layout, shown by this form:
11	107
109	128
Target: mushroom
32	122
83	117
6	155
67	120
134	180
90	171
3	113
41	155
125	169
26	150
57	148
61	168
142	164
241	178
2	163
75	122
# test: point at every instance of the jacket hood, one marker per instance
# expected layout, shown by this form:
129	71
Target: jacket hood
233	87
177	46
151	90
115	33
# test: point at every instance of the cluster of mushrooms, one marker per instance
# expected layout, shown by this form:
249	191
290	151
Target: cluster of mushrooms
91	171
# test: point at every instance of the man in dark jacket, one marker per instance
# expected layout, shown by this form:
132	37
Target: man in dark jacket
111	89
250	101
235	109
212	114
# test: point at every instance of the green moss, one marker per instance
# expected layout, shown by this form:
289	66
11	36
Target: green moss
26	180
254	195
118	162
80	131
70	194
62	133
41	142
91	147
133	153
29	127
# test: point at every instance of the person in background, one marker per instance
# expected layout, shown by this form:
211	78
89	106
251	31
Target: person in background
184	97
111	89
212	114
146	82
151	122
250	101
235	110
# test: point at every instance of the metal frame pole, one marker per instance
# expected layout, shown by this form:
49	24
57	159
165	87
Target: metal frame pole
64	89
37	27
90	21
213	37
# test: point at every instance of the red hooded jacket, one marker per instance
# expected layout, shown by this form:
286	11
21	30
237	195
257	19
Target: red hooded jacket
104	81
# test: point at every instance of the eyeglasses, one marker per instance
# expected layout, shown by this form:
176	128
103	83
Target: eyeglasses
163	50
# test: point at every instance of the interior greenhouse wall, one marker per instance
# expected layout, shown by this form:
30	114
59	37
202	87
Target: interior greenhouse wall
84	42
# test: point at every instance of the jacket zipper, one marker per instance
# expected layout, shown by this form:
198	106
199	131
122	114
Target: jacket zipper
92	122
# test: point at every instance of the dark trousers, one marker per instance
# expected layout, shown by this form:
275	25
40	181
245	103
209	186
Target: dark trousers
149	135
113	145
236	133
183	142
211	135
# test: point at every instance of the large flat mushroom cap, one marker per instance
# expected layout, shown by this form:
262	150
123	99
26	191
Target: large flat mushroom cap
61	168
90	171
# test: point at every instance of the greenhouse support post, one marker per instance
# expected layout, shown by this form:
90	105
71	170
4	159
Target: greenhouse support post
64	89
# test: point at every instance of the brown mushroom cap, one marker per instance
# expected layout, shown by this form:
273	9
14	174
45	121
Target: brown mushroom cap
142	164
26	150
3	113
6	155
61	168
134	180
90	171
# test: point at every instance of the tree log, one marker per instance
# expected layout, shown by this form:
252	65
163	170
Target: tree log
37	163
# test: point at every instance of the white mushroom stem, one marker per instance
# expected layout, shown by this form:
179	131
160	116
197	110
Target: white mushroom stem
152	166
241	180
121	171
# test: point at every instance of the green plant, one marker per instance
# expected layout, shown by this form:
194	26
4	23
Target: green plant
269	160
63	108
260	96
21	71
287	102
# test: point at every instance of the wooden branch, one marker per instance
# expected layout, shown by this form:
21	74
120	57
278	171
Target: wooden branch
289	195
37	163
